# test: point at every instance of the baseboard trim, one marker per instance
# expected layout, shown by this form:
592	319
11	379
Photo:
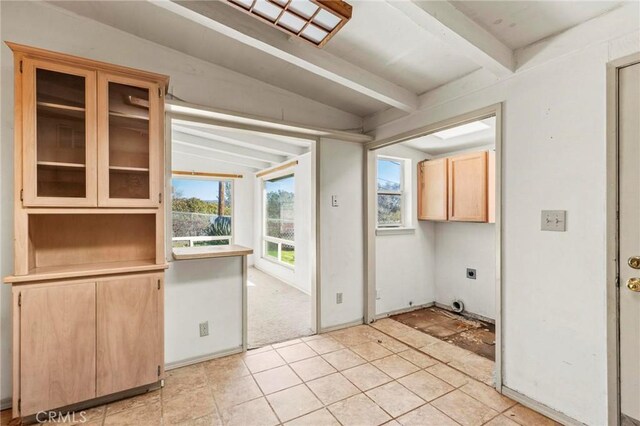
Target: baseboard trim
199	359
466	313
540	408
5	403
341	326
404	310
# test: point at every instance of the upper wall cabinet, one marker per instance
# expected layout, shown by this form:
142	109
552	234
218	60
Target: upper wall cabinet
91	137
59	130
128	142
468	187
459	188
432	190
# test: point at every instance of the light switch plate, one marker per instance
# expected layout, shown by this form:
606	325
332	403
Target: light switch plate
554	220
334	201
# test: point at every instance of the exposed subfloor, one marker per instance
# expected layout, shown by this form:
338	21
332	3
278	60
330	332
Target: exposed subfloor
470	334
276	311
363	375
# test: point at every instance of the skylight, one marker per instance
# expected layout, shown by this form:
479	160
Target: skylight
462	130
315	21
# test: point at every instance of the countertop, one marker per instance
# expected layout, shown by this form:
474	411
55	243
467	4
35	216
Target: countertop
205	252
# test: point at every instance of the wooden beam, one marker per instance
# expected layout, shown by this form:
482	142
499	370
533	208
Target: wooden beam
213	144
203	174
296	53
277	169
456	29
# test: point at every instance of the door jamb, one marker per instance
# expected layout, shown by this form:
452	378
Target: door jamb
370	220
612	249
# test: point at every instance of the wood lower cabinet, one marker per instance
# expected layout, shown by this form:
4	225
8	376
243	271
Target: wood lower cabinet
432	190
57	345
129	338
83	340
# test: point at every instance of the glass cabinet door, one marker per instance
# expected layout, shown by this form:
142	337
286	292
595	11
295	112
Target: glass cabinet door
59	141
129	142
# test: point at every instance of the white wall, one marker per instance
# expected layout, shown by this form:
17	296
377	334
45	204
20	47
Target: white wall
405	269
459	246
43	25
300	275
196	287
341	232
554	297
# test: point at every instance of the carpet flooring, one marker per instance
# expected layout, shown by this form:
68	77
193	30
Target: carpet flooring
276	310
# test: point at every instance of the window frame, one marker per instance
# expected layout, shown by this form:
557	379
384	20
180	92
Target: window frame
199	176
405	218
266	238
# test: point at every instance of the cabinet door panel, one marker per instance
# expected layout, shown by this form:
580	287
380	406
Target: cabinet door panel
129	333
432	203
130	141
468	187
59	127
57	346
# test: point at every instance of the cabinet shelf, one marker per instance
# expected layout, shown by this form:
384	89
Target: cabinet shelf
129	169
61	165
86	270
127	115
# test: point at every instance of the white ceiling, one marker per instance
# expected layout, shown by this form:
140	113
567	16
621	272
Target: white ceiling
388	54
434	145
521	23
242	150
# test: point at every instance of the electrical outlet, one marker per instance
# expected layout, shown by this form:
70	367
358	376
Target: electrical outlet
338	298
204	328
471	274
334	201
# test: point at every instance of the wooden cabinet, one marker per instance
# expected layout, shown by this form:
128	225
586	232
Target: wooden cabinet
460	188
91	137
57	353
468	187
82	340
129	339
59	128
89	224
129	141
432	190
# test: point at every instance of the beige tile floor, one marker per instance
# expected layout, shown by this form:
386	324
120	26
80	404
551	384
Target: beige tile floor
364	375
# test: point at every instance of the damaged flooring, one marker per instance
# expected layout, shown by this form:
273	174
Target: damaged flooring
473	335
387	373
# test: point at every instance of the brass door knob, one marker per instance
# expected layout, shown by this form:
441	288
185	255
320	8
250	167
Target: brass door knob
633	284
634	262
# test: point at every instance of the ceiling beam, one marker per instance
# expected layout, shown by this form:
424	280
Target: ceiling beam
247	140
456	29
297	53
214	144
202	151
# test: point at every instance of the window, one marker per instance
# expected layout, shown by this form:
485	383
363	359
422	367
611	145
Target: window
391	192
201	212
278	220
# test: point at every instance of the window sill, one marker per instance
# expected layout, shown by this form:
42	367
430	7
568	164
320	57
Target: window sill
395	231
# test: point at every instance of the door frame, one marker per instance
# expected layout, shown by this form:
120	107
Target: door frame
370	219
265	126
612	230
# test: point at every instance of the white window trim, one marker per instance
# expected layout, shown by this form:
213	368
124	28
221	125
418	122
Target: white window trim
266	238
207	237
405	193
